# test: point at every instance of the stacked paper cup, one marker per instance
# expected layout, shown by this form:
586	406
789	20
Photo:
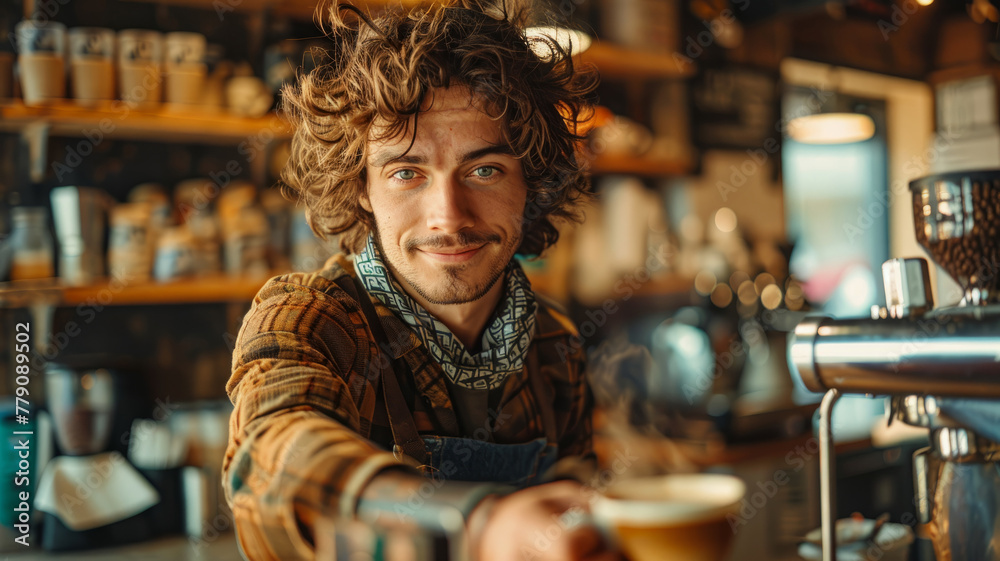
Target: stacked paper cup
41	56
91	59
185	69
140	67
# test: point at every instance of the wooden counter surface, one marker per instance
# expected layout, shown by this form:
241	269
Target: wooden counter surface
174	548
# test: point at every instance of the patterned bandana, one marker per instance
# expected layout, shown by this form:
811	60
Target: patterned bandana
505	340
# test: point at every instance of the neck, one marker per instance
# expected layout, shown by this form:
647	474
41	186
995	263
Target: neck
466	321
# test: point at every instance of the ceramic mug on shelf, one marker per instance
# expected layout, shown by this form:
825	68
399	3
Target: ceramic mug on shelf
246	244
185	69
41	57
140	66
91	61
130	244
175	254
185	48
155	195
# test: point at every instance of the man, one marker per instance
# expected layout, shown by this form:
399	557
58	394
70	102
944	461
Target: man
438	144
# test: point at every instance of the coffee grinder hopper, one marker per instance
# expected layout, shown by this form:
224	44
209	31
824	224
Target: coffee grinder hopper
957	221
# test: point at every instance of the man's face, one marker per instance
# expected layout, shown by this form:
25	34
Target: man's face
448	210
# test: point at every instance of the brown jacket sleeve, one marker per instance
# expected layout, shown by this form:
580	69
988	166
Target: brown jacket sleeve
295	448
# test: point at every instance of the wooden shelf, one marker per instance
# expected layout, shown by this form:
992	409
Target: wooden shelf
117	120
614	61
666	286
297	9
963	72
640	165
216	288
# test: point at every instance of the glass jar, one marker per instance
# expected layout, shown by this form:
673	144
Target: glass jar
31	241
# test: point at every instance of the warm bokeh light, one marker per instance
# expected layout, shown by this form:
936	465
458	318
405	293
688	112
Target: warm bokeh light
722	296
831	128
747	293
794	297
705	282
725	219
770	297
762	281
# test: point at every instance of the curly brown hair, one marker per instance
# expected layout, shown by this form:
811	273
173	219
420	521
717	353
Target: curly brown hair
379	71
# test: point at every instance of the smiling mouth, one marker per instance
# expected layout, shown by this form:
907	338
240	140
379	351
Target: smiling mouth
458	251
453	255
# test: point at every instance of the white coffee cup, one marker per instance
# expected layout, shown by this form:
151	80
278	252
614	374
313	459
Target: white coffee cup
185	69
175	254
91	57
185	84
131	241
140	66
185	48
678	516
41	47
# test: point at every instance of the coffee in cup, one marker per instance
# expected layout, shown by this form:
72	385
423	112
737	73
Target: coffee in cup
681	516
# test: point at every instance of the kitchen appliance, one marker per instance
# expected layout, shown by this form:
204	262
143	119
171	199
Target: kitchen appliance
719	375
940	365
89	494
79	219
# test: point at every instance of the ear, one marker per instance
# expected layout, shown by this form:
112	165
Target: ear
363	199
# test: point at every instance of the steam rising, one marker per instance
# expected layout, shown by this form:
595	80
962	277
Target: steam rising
628	419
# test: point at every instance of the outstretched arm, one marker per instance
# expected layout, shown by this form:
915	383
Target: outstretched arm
302	402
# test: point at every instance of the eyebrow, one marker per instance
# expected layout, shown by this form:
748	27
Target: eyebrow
384	159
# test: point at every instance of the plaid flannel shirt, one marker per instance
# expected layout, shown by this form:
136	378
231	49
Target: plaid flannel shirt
302	434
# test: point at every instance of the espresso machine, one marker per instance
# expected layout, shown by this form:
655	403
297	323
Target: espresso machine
940	365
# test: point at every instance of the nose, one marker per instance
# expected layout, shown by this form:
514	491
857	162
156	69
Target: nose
449	207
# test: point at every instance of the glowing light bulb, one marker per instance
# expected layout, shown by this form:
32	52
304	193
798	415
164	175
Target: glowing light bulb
831	128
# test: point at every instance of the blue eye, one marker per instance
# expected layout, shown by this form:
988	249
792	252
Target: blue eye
405	174
485	171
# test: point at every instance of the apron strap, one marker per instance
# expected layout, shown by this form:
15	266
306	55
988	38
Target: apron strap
542	396
405	436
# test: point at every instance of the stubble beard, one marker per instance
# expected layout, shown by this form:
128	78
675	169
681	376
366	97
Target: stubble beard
455	288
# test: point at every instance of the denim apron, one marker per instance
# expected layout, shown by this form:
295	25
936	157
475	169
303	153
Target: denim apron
455	458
